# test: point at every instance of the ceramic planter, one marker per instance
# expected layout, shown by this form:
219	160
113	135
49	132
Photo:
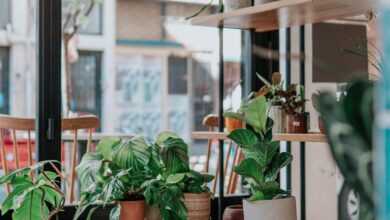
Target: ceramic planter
232	124
198	206
230	5
279	118
134	210
297	123
235	212
277	209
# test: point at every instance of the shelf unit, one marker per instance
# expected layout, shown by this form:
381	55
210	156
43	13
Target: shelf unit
285	13
309	137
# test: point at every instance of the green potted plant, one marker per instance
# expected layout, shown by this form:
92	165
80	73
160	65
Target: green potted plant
179	192
273	91
293	106
35	194
114	174
261	167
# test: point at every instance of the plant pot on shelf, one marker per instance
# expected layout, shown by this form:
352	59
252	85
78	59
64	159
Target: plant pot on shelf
230	5
276	209
279	118
297	123
134	210
198	206
232	124
234	212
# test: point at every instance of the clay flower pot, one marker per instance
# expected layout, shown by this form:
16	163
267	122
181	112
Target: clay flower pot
134	210
198	206
234	212
277	209
230	5
232	124
297	123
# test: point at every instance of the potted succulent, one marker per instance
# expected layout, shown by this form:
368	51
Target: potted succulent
293	106
261	167
179	192
273	91
115	174
33	198
315	102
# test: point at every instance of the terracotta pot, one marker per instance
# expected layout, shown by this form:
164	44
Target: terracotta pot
132	210
321	125
198	206
279	117
230	5
232	124
234	212
297	123
277	209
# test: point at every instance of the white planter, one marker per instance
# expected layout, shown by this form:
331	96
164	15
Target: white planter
230	5
277	209
279	118
260	2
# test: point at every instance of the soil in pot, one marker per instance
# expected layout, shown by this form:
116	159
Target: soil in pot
234	212
132	210
198	206
277	209
230	5
297	123
232	124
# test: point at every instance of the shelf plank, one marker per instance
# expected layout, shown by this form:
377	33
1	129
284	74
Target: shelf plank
309	137
285	13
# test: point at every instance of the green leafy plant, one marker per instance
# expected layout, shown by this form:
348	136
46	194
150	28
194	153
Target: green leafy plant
174	177
115	172
263	161
349	127
33	196
273	90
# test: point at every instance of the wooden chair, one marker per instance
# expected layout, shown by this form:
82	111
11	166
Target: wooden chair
211	122
27	126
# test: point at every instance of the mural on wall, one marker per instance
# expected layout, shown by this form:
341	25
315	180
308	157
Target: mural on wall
138	95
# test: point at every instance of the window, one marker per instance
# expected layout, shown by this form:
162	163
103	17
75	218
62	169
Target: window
86	75
4	13
94	24
4	82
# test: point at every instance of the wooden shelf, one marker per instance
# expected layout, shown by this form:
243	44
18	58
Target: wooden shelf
285	13
309	137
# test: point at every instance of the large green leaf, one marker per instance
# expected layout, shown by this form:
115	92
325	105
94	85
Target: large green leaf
132	154
256	113
176	178
31	206
280	161
88	170
107	146
174	153
163	136
243	137
249	168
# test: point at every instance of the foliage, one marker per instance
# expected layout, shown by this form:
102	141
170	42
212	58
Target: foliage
272	90
294	99
114	173
31	197
263	161
349	126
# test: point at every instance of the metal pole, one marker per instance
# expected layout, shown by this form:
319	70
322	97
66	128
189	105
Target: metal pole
48	123
382	136
302	144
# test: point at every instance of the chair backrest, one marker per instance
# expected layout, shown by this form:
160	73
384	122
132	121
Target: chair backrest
9	126
212	122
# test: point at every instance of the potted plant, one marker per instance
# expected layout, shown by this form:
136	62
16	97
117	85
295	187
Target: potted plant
315	102
233	120
273	91
179	192
33	198
114	174
293	106
260	168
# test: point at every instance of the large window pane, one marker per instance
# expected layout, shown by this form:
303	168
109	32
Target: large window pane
5	15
